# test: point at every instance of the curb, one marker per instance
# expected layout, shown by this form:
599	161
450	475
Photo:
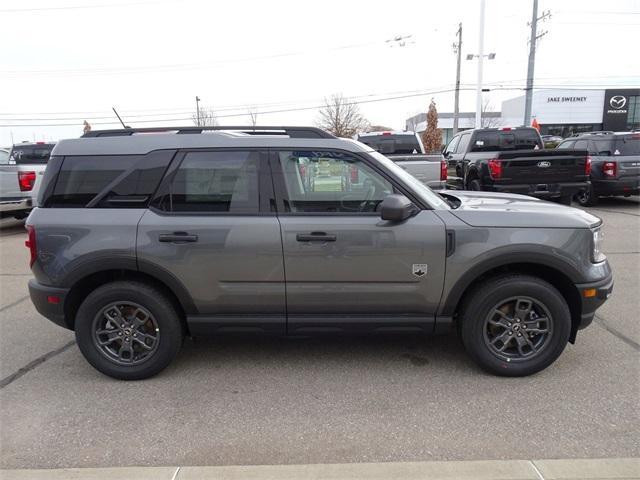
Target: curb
565	469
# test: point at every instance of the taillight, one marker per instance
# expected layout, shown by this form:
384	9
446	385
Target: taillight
495	168
30	243
609	169
443	170
587	166
26	180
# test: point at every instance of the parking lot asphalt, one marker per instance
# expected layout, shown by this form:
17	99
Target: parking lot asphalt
255	401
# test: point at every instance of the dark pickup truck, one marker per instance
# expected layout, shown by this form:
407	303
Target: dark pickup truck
513	160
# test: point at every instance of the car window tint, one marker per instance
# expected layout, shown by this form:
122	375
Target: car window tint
464	142
215	182
452	145
31	154
499	140
581	145
122	181
392	143
568	144
331	182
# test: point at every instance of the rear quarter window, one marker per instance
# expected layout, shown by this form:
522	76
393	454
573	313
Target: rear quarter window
108	181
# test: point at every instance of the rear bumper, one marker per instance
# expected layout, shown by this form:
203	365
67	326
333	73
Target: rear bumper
621	186
541	190
603	288
40	296
15	204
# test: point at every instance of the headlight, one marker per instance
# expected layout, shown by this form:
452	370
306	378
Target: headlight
596	255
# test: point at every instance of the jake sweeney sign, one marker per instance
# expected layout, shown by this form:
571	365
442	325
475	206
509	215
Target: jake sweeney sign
566	99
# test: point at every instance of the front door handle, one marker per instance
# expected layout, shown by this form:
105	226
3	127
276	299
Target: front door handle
177	237
316	237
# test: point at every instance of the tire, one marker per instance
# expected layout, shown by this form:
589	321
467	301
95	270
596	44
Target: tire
587	198
565	200
153	325
478	333
475	185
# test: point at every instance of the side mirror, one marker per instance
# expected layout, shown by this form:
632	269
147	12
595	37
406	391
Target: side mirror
396	208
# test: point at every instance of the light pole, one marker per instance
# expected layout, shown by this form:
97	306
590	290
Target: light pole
480	60
480	57
198	110
457	48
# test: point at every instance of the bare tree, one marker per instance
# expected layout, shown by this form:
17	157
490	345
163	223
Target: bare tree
207	118
432	136
253	116
341	117
485	120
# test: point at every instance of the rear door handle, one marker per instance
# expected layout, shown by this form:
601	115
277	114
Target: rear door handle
177	237
316	237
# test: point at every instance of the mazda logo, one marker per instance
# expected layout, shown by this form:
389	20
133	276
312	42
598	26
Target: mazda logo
544	164
618	102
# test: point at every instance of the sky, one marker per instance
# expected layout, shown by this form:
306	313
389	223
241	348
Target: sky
64	61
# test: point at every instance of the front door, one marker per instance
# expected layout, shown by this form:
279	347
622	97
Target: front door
346	268
210	232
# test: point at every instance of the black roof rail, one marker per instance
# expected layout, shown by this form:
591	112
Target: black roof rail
595	132
292	132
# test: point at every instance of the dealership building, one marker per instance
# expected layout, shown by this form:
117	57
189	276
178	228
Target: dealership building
560	112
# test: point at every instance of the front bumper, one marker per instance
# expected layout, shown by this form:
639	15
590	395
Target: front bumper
43	296
541	190
603	290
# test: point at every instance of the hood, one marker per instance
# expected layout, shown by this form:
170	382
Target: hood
488	209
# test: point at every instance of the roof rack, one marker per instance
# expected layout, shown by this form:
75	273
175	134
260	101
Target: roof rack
596	132
292	132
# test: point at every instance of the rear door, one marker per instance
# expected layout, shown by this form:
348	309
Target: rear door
210	227
346	269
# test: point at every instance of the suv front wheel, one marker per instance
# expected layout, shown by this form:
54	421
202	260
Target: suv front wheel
128	330
515	325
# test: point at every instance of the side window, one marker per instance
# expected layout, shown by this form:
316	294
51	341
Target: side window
568	144
4	157
215	182
451	147
581	145
108	181
464	142
331	182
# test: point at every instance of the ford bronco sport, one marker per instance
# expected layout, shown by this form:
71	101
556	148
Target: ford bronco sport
144	236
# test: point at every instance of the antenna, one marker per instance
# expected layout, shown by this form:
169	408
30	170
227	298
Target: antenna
114	111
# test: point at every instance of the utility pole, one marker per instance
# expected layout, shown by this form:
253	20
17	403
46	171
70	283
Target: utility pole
198	110
532	58
457	47
480	59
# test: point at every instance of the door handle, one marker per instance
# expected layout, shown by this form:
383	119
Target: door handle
177	237
316	237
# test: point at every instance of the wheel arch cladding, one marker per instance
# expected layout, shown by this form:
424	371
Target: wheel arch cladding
176	293
551	274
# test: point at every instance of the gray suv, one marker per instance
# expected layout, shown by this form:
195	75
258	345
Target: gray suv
145	236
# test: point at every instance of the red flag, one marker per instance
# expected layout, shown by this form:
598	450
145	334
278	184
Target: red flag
535	124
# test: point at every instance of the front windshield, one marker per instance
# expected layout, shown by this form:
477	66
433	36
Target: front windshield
425	193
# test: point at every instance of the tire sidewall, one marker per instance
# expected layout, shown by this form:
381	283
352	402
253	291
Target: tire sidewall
163	312
481	304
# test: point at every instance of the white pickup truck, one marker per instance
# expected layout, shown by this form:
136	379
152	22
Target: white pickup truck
407	151
21	172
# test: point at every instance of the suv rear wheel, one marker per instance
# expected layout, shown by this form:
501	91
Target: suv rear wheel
515	325
128	330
